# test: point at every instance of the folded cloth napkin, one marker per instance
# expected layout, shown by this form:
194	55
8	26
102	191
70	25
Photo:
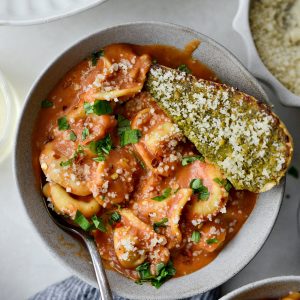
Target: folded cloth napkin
73	288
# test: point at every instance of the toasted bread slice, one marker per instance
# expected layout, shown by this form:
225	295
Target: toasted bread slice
233	130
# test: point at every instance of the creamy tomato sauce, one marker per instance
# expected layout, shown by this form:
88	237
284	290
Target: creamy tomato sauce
157	197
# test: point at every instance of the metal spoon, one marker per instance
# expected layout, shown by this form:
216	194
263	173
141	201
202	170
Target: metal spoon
105	291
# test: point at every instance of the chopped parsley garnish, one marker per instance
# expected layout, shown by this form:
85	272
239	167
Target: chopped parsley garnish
293	172
127	135
85	133
224	182
161	223
164	272
139	160
212	241
115	217
75	155
165	194
46	103
184	68
101	148
190	159
95	56
102	107
123	124
198	188
66	163
196	235
88	108
82	221
98	223
73	136
130	136
154	61
63	123
144	272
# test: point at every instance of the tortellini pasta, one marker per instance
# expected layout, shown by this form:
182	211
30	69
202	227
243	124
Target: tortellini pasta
159	141
171	209
65	176
209	174
65	204
135	241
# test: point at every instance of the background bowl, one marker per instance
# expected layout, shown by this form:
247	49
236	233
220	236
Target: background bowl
234	256
271	288
255	65
28	12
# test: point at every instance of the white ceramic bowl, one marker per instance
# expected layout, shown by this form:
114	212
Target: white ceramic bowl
271	288
28	12
255	65
9	113
234	257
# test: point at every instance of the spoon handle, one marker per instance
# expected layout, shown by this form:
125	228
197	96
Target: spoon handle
103	284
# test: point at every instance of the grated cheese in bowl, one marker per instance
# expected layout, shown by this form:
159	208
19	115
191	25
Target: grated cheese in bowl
275	26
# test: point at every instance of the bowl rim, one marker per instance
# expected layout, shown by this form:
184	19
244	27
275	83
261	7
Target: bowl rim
75	44
52	17
255	64
260	283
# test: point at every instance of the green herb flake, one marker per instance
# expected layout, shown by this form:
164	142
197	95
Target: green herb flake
190	159
95	56
102	107
224	182
66	163
115	217
81	220
154	61
85	133
73	136
212	241
165	194
198	188
88	108
46	103
101	148
184	68
123	124
98	223
161	223
139	160
99	158
63	123
75	155
196	235
293	172
130	136
164	272
144	272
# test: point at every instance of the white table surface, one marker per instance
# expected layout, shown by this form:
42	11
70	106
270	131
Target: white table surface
26	266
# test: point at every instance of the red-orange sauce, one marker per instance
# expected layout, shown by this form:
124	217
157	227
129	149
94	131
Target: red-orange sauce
67	95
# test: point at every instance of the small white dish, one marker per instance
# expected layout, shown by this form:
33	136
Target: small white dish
28	12
255	65
9	113
270	288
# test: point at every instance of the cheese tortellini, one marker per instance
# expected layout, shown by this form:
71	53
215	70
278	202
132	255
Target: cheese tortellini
64	204
69	177
135	241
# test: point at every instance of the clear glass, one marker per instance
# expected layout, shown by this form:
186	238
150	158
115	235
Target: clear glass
9	112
